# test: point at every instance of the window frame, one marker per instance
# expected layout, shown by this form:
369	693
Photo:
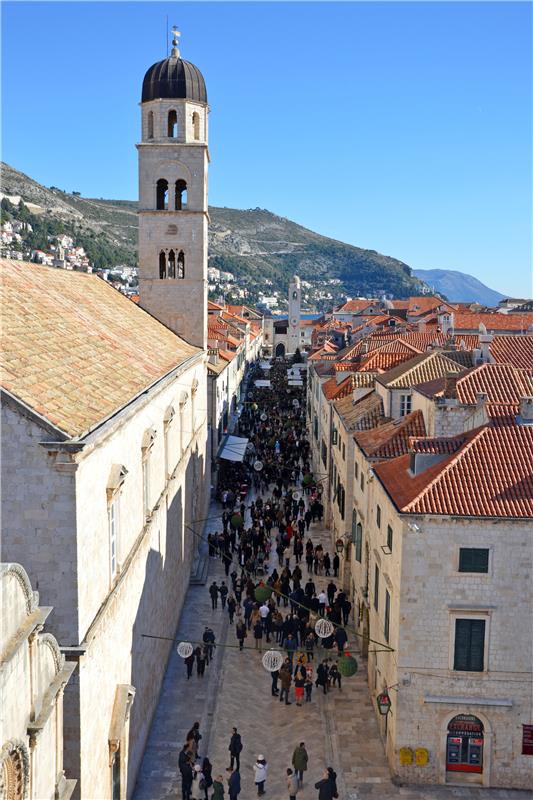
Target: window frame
406	404
113	530
487	550
378	516
390	537
376	587
386	618
481	616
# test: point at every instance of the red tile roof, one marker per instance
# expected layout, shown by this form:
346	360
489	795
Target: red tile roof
391	439
492	322
491	475
357	306
438	445
419	306
419	369
515	350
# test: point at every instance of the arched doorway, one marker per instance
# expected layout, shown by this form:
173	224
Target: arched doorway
464	745
280	350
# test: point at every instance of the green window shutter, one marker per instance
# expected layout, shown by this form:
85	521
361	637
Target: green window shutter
469	645
473	559
387	616
359	542
376	587
389	537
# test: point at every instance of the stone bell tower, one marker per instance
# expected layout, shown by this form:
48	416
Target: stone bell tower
295	304
173	217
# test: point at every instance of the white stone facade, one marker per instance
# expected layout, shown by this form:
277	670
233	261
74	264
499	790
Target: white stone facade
295	307
176	296
33	675
111	580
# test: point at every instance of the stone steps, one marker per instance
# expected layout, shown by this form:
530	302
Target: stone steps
199	571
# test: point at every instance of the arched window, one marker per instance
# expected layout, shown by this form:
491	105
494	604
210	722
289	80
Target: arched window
171	264
162	195
172	125
162	264
150	124
181	264
196	125
181	195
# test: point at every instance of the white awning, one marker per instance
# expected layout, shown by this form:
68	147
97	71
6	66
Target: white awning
233	448
265	365
296	383
262	383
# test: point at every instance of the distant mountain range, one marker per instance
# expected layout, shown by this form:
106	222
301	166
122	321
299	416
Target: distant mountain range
458	286
253	244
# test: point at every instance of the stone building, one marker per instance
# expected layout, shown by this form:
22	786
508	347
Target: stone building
104	431
173	216
448	590
295	312
33	675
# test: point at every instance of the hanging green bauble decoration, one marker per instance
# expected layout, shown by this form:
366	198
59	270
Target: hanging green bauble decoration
262	592
347	665
237	521
308	479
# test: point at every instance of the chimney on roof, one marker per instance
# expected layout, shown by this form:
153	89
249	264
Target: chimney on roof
364	347
525	416
485	340
213	355
481	398
450	386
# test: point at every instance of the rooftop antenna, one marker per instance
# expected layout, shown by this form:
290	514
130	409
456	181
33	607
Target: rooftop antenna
166	35
175	53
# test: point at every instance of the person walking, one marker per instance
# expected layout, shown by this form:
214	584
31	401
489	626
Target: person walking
232	605
260	774
333	780
195	735
218	787
213	591
241	632
300	760
187	776
234	784
292	784
189	663
286	680
235	749
258	635
207	772
223	592
336	565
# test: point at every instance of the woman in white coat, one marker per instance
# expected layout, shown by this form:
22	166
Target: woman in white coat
260	774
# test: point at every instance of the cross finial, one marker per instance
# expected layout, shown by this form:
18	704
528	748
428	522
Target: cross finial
175	42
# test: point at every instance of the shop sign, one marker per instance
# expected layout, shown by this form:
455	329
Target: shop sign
422	756
527	740
406	756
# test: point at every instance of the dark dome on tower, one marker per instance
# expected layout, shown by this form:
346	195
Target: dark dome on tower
174	78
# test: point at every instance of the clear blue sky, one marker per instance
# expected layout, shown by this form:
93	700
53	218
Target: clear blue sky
401	127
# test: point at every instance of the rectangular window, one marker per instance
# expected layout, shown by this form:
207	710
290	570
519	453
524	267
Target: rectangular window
405	404
358	542
376	587
315	428
324	453
334	436
113	524
356	469
378	516
362	481
343	452
469	645
146	486
389	537
473	559
386	623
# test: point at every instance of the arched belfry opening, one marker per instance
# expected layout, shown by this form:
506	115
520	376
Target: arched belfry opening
181	195
162	264
171	264
172	125
162	195
181	264
196	125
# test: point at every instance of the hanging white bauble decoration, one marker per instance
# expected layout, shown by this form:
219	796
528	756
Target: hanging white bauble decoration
296	496
258	466
185	649
324	628
272	660
264	417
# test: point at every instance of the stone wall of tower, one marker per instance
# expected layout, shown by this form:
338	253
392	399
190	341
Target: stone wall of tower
179	303
293	330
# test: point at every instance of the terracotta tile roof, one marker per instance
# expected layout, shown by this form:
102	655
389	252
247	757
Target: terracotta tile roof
333	390
357	306
74	349
489	476
419	369
419	306
388	356
214	306
400	304
421	340
362	414
502	383
492	322
391	439
439	445
515	350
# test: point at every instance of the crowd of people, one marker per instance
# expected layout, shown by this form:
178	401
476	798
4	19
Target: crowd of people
269	501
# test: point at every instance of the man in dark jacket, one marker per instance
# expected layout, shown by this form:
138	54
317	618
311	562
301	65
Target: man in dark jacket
235	748
213	591
325	787
234	785
340	638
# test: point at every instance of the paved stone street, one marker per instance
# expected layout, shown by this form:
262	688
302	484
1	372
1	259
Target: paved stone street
338	729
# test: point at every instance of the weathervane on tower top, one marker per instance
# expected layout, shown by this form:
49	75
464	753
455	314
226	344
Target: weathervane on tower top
174	53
